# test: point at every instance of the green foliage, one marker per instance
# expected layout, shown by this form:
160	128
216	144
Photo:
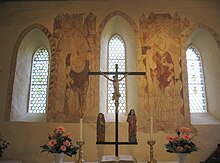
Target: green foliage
3	145
182	143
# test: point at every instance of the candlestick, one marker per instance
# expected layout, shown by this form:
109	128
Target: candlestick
80	159
151	143
151	127
81	129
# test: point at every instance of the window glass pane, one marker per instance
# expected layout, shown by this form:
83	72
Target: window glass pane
116	55
39	82
196	86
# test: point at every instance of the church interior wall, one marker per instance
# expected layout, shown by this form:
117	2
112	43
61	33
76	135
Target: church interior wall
26	137
22	79
205	42
118	25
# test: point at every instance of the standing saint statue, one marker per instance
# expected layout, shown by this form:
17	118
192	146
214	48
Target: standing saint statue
132	127
116	93
100	128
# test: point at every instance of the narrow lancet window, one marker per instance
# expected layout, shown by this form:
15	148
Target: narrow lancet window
116	55
39	82
196	87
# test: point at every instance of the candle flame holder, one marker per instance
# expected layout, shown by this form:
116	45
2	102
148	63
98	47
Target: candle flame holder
151	143
80	159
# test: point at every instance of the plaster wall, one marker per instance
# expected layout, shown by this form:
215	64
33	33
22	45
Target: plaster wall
25	140
210	57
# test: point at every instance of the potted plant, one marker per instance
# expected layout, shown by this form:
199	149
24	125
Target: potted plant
3	145
181	144
59	144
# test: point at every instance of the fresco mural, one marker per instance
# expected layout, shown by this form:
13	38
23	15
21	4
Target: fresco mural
161	57
75	37
76	54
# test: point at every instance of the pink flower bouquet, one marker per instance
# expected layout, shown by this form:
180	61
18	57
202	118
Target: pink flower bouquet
58	142
182	143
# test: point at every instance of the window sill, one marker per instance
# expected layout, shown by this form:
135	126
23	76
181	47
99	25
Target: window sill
30	117
203	119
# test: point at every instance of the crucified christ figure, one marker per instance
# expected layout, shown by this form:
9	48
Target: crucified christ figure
115	82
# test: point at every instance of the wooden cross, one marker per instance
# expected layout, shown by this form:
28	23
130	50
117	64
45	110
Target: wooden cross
116	73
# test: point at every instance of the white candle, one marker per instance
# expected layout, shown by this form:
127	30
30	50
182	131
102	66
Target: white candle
151	127
81	129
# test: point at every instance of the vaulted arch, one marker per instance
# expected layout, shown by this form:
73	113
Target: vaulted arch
32	38
207	41
118	23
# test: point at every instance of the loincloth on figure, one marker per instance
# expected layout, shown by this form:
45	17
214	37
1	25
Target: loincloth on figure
116	96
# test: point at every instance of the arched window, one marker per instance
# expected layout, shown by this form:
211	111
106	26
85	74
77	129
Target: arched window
116	55
39	82
196	87
118	46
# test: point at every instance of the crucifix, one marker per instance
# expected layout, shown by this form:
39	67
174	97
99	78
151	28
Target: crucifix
115	97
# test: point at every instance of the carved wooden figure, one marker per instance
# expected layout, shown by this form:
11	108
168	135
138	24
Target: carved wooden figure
116	93
132	126
100	127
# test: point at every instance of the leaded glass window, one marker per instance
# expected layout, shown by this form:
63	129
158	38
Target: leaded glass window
39	82
196	87
116	55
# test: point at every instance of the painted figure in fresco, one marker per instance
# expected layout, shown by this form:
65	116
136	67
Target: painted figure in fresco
115	82
164	72
77	82
100	128
132	127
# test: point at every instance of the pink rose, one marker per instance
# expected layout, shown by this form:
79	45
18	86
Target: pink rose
170	138
60	129
184	129
51	143
180	148
63	148
186	137
66	143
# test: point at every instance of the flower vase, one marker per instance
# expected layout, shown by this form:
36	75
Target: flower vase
58	157
181	157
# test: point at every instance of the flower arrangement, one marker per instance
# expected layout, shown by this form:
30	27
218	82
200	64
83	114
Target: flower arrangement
182	143
3	145
58	142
